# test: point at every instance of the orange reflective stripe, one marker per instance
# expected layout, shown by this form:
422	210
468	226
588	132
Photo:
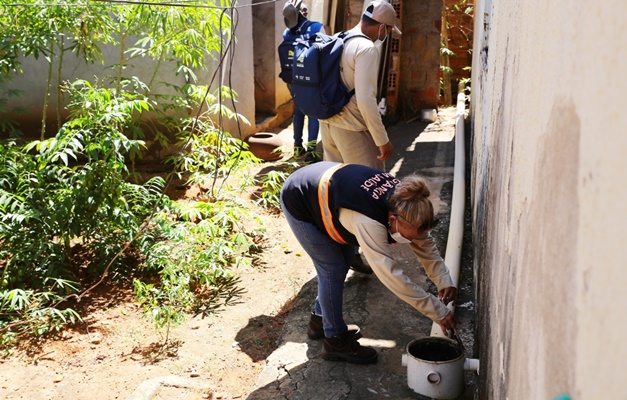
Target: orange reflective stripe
323	201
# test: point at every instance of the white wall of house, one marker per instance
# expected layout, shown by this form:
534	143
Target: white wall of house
549	198
238	72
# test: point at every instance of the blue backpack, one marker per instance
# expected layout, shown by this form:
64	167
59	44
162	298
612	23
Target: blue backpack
316	82
286	48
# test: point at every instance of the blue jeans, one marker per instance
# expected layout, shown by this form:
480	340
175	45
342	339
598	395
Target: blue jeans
312	128
331	261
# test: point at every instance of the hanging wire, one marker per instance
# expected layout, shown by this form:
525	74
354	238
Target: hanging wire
182	3
231	49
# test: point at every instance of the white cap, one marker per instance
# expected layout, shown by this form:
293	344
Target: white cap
382	12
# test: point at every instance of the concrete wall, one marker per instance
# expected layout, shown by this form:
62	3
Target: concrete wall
273	101
238	72
251	70
549	204
418	84
33	84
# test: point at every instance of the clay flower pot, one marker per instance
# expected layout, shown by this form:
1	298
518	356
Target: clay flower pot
265	145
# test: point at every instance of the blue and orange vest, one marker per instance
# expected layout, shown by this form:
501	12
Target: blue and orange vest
316	193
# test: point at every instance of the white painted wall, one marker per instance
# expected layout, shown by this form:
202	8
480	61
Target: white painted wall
549	200
282	92
237	72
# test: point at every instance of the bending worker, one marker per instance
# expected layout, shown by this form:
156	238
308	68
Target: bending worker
333	207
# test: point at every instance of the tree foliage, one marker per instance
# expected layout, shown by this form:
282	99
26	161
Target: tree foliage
457	17
71	207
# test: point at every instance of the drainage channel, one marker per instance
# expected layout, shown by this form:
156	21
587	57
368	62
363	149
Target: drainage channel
436	364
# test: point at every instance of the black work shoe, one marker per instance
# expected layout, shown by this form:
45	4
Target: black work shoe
316	332
299	151
312	157
360	266
345	347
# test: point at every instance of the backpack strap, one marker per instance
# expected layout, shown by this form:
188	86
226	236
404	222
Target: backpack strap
302	28
346	36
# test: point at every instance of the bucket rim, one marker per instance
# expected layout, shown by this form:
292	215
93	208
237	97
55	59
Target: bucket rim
436	338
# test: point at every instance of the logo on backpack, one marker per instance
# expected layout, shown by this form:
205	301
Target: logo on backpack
300	60
286	48
316	81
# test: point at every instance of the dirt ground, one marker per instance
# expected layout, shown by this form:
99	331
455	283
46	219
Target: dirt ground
115	353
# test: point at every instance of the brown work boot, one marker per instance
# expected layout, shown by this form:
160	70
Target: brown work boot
315	330
345	347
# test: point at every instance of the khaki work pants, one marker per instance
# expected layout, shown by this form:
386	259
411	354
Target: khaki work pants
346	146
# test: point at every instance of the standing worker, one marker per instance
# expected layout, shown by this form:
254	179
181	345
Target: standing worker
298	26
333	207
357	135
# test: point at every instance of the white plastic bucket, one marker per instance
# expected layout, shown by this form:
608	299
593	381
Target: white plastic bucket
435	367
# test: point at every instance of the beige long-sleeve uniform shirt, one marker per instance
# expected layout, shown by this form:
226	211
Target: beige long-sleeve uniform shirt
360	66
373	240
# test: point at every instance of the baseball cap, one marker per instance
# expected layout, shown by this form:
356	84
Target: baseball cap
382	12
291	9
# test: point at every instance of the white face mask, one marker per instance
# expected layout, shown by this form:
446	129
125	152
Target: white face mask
398	238
379	42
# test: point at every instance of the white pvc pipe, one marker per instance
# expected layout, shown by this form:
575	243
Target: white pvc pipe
471	364
453	254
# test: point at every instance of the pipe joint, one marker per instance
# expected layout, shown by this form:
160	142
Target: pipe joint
471	364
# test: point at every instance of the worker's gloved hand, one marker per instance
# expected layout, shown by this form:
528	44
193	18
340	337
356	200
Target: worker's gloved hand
448	295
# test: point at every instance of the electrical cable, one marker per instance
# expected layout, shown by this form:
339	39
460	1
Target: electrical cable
137	2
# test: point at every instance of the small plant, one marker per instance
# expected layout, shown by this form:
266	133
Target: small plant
65	191
208	153
467	87
269	195
193	246
32	314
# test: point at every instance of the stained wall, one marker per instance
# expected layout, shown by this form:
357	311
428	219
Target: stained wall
549	205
